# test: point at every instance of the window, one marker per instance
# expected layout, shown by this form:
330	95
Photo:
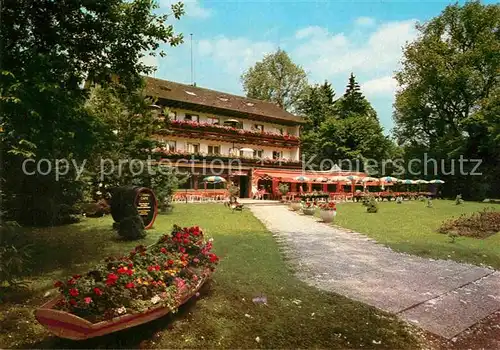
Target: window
193	147
192	117
277	155
213	120
258	127
171	145
213	150
258	153
190	93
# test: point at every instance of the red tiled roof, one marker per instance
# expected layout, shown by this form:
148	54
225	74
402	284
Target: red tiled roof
171	91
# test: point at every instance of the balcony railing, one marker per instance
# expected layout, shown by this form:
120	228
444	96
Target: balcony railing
180	154
207	127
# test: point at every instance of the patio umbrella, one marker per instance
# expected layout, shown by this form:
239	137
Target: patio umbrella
388	179
338	178
407	182
368	179
301	178
321	179
214	179
436	182
422	182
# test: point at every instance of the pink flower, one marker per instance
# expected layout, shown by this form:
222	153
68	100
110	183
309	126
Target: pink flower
87	300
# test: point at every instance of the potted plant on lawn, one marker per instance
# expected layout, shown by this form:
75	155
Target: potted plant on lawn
309	208
327	211
295	205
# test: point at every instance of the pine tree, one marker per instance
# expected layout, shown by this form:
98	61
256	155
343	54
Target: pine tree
353	101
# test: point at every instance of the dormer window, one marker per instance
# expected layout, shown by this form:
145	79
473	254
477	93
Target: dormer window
223	99
190	93
250	104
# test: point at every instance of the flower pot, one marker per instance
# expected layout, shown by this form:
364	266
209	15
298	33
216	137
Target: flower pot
327	215
308	211
294	206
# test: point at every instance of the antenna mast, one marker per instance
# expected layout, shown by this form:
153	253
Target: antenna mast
192	66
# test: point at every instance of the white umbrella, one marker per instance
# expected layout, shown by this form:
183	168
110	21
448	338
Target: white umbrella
246	149
422	182
338	178
369	179
436	182
388	179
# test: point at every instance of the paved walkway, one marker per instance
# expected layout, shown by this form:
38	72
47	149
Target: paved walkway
441	296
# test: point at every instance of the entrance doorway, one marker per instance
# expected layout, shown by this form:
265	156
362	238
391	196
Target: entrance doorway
243	183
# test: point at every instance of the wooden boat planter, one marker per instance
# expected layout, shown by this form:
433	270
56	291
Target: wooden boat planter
67	325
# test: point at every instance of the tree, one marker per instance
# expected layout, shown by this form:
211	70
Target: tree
128	129
277	79
315	105
48	49
353	101
345	129
450	78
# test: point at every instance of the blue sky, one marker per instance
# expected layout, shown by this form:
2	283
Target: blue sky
329	39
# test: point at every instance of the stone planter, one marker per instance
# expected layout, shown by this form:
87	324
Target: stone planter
295	206
327	215
308	211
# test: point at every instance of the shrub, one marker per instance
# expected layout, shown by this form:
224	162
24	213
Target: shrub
429	203
479	225
459	200
283	188
14	254
131	227
399	200
371	206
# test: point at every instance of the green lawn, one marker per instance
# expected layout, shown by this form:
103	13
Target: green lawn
224	316
412	227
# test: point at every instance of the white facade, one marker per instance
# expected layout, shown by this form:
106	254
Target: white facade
227	148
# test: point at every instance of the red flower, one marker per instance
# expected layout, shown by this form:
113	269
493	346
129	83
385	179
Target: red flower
77	276
72	301
163	250
178	235
186	241
87	300
97	291
170	262
112	278
58	284
73	292
130	265
151	268
213	258
182	249
130	285
122	270
71	281
130	272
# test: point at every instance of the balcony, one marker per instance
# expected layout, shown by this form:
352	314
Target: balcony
163	153
230	134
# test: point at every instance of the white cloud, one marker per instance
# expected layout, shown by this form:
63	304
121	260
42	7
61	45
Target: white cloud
193	8
326	54
384	86
234	55
310	31
364	21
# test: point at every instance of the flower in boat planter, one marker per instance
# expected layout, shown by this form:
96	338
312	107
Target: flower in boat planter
157	275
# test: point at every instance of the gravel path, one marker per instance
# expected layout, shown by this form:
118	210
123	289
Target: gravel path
440	296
